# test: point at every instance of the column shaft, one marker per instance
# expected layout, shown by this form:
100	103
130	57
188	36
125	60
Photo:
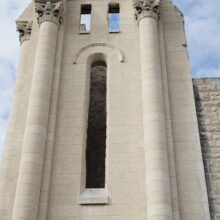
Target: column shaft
157	172
31	165
13	118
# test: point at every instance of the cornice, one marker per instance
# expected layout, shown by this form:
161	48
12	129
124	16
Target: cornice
24	29
49	11
146	8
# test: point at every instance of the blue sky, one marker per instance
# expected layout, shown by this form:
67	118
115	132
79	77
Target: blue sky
114	21
202	23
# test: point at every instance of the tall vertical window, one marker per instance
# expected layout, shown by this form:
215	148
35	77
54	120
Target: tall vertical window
96	131
114	17
85	18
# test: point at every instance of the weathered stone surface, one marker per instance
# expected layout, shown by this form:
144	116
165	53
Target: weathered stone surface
207	96
153	165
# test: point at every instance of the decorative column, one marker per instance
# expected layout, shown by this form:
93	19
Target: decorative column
158	193
24	29
32	159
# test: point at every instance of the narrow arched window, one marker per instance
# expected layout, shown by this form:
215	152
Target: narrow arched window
96	131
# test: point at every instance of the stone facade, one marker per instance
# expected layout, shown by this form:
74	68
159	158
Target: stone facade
153	165
207	95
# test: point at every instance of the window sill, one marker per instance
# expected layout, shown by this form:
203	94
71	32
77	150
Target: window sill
113	31
84	32
94	197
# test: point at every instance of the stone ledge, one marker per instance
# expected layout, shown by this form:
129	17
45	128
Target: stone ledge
44	1
94	197
113	31
84	32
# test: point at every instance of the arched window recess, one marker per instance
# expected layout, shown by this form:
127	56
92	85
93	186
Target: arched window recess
95	153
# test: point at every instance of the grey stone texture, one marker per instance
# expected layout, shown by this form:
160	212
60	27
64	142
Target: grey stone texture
207	96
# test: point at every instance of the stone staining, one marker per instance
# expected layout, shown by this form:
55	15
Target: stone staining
207	97
146	8
96	133
49	11
24	29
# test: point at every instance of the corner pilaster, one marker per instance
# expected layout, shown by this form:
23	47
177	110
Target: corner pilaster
24	29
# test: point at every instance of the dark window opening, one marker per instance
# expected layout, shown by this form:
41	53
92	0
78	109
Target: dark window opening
96	132
85	18
113	17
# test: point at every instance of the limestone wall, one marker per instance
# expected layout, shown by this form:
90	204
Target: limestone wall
63	192
207	95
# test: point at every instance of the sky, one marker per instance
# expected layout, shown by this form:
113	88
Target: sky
202	24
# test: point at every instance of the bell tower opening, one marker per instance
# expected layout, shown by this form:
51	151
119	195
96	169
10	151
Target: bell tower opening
113	17
96	131
85	18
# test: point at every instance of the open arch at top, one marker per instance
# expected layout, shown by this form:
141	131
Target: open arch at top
99	48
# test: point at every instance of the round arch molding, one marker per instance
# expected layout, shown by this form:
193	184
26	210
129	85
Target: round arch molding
90	49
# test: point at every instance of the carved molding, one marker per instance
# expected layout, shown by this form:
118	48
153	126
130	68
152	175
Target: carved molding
146	8
50	12
100	48
24	29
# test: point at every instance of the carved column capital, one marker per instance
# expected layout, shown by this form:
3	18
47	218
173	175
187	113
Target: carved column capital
24	29
146	8
50	12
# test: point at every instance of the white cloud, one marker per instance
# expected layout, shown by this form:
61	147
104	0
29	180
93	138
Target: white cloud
202	19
